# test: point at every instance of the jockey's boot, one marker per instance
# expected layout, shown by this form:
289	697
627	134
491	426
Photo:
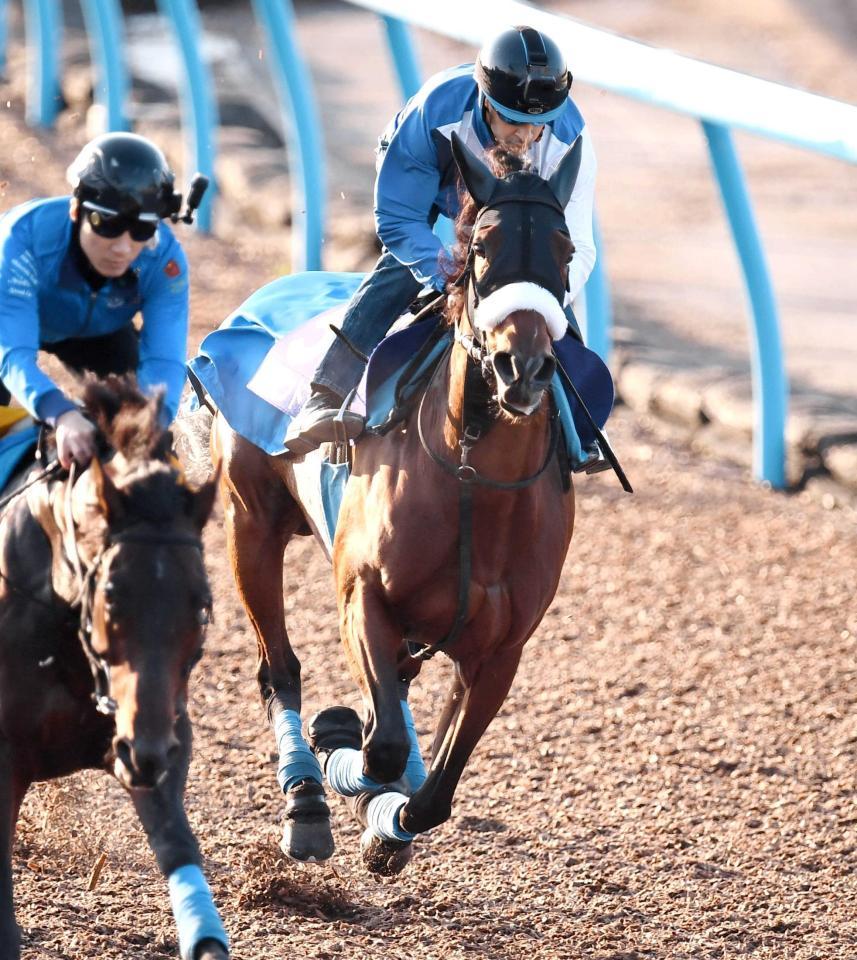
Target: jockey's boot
321	420
594	461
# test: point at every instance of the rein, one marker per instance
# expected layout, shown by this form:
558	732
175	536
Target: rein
44	474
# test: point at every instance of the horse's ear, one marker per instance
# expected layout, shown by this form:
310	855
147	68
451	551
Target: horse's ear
563	179
201	501
108	497
478	179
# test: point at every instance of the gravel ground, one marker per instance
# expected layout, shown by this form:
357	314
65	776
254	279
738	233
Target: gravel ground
671	777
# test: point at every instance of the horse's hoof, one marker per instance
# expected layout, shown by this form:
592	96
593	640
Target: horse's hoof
385	858
333	728
306	825
210	950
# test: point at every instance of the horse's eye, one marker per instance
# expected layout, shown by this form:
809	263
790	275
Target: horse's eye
203	615
479	249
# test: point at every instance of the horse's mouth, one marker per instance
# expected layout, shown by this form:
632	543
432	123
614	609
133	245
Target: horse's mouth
132	779
519	407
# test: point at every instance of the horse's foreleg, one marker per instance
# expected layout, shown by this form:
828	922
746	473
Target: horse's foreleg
373	642
261	517
11	795
432	803
162	814
451	708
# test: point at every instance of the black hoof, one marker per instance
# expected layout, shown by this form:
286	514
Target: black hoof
333	728
306	825
385	858
210	950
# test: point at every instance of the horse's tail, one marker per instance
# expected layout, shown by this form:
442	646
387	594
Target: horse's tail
191	441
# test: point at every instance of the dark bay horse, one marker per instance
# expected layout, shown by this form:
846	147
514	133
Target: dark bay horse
451	536
103	602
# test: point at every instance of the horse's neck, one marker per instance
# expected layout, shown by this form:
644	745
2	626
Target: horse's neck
506	450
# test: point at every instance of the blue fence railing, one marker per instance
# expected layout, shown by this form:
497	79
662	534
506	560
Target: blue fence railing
720	100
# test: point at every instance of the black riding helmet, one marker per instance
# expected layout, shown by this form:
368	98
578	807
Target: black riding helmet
523	75
124	174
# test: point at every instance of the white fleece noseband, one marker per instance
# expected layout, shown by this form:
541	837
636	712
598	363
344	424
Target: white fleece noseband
494	309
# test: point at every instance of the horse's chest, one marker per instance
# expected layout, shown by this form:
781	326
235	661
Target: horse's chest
508	576
46	709
425	547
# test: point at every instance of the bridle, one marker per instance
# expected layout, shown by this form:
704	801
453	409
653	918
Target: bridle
87	578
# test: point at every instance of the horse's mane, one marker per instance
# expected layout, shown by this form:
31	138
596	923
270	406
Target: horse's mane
502	163
128	420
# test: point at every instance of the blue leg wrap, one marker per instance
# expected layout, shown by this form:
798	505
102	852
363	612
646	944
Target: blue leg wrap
297	761
344	772
382	817
196	916
344	767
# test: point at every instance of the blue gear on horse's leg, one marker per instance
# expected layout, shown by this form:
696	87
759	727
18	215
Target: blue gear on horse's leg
335	735
385	847
306	823
197	919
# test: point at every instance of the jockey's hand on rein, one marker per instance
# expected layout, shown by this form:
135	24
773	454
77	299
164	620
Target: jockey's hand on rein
75	439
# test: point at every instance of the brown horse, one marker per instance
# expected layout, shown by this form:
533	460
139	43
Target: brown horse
451	535
103	601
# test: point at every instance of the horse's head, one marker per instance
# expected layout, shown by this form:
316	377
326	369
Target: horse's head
516	275
136	527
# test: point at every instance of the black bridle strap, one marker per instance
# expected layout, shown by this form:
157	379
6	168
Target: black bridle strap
104	703
467	477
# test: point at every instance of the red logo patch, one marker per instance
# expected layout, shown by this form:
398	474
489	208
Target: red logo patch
172	269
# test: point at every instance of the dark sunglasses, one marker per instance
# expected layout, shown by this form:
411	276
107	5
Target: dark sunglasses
114	226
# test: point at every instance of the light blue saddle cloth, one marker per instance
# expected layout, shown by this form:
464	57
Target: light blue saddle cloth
257	365
15	449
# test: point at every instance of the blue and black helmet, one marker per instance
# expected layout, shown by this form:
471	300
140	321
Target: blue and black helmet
125	174
523	75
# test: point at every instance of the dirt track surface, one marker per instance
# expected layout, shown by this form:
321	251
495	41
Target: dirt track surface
671	777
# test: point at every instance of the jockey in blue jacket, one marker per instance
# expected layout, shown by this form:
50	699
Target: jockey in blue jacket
75	271
516	94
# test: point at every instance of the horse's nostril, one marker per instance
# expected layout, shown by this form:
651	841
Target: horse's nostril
122	749
504	367
546	371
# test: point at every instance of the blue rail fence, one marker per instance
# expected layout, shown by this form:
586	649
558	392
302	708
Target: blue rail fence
103	19
720	100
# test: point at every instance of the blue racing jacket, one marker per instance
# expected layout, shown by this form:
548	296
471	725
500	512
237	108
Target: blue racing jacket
417	175
44	299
